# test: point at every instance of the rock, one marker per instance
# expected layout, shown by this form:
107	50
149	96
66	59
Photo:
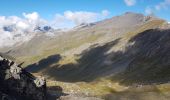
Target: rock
16	82
39	81
6	97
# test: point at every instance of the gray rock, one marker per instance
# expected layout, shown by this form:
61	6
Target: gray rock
16	82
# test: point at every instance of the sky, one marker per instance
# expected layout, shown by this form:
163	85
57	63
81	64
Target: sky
20	17
47	9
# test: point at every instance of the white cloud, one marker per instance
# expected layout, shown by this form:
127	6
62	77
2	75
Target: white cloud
70	18
60	21
15	29
158	7
105	12
148	11
80	17
22	25
5	38
8	20
32	20
31	16
162	5
130	2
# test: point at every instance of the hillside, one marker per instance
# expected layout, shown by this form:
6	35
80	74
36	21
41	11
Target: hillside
105	58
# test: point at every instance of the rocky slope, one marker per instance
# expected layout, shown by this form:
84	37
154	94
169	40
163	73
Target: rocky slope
18	84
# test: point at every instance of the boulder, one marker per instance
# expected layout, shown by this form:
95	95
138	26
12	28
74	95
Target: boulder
18	84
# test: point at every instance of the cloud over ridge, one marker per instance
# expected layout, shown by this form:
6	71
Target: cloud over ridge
164	5
130	2
14	29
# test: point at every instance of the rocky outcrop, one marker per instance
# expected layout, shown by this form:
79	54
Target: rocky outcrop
18	84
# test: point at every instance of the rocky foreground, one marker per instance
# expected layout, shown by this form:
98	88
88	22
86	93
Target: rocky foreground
18	84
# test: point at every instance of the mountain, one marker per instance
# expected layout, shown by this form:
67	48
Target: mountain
83	25
127	49
97	33
43	29
10	28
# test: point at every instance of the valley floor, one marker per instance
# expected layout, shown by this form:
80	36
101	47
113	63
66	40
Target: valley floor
107	90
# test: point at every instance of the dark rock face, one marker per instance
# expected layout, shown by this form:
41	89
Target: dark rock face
43	28
18	84
9	28
47	28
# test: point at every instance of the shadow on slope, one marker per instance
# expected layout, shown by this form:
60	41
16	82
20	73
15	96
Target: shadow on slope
89	67
55	92
151	59
146	61
43	64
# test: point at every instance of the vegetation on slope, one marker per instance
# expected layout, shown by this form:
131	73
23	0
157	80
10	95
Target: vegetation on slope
87	60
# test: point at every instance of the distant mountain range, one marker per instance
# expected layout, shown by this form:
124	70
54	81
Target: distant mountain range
13	28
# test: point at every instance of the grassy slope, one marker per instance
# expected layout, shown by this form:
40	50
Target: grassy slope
102	87
73	40
60	46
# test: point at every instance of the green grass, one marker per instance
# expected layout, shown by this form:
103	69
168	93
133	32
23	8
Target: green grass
61	47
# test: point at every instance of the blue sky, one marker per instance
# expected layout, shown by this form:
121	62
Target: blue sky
48	8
